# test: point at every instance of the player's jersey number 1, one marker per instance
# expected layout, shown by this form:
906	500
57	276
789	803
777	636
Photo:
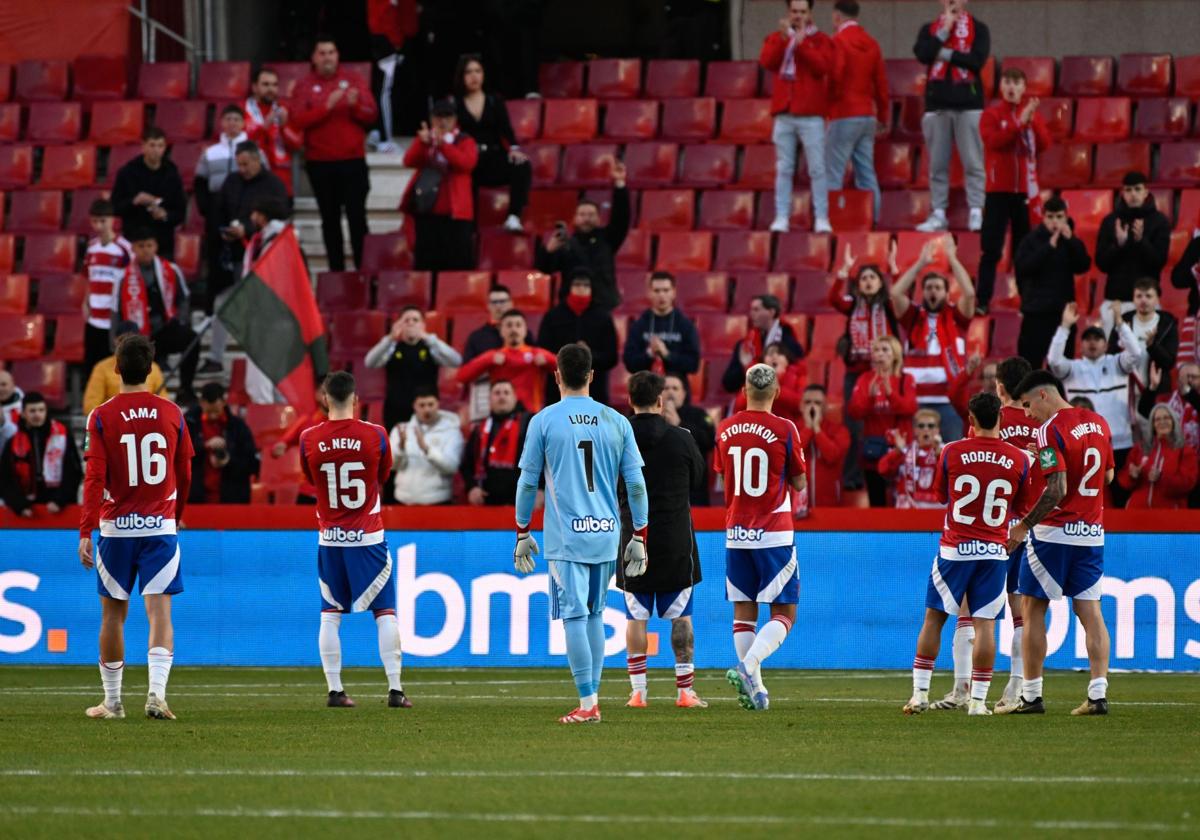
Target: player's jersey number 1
345	490
589	465
146	460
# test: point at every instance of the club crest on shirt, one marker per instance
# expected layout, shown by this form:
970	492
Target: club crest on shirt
1047	458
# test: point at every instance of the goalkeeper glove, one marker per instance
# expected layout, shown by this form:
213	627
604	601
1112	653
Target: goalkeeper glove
635	554
523	554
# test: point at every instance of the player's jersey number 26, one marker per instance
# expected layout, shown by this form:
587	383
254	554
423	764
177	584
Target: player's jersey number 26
145	459
345	491
995	500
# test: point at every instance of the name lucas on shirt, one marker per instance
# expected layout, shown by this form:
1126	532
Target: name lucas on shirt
340	443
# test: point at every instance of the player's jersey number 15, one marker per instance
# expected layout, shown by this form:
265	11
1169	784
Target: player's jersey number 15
345	491
146	460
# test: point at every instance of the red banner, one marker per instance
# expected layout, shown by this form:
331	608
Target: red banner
63	29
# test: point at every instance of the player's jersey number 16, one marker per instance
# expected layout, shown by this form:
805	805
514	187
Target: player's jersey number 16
345	491
146	459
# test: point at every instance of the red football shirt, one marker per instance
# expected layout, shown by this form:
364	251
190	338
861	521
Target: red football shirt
758	453
981	481
1017	428
347	461
1078	442
139	467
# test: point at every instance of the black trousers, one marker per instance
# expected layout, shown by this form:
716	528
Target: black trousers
177	337
341	185
443	244
1037	331
496	170
1000	210
96	345
877	487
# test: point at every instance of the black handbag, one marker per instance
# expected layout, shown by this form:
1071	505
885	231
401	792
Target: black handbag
426	189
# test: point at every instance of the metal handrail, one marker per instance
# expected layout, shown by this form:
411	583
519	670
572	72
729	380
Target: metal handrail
150	27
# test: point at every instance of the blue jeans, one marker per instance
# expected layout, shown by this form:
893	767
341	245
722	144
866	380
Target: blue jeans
952	423
810	131
853	139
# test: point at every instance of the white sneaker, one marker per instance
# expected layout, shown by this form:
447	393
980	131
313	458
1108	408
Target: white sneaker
822	226
917	704
104	711
780	225
156	708
953	700
513	224
975	220
977	707
935	223
387	147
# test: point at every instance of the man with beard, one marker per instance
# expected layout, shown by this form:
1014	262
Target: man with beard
489	463
267	125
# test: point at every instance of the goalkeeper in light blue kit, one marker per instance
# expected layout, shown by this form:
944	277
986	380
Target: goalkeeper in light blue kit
582	448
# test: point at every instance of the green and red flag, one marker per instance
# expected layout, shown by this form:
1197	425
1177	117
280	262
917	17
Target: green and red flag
273	314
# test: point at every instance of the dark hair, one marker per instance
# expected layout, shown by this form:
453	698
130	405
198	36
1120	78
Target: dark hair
233	109
1011	371
212	391
460	70
339	387
770	302
1146	284
443	108
1083	402
847	7
32	398
985	408
662	275
580	272
1014	73
500	287
1038	379
153	132
574	365
1054	204
265	69
422	392
815	386
412	308
513	313
645	387
1132	179
272	208
102	207
322	38
585	201
782	348
124	328
140	234
935	275
1093	332
882	294
496	382
135	356
811	3
246	146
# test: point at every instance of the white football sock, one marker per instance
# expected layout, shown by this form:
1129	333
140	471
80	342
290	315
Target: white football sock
922	673
743	637
110	677
159	661
1018	660
1098	689
1031	689
588	703
766	642
331	649
636	664
981	681
389	649
964	641
685	676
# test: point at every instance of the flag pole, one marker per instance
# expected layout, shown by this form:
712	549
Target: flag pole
205	327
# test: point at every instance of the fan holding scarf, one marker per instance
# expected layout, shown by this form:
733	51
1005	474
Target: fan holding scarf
489	464
40	464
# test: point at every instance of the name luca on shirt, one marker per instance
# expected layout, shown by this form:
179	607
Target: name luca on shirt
583	419
340	443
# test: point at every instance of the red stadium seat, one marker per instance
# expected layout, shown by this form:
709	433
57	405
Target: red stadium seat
290	73
14	294
635	251
16	166
1065	165
353	333
634	288
726	210
343	291
746	121
49	378
268	423
1179	164
6	84
588	164
63	294
10	122
826	330
187	252
526	118
54	122
1059	114
907	125
1006	326
385	252
530	290
546	207
116	123
569	120
702	291
743	250
7	249
1039	73
1189	208
811	294
186	156
118	156
561	80
49	253
909	244
721	333
731	79
672	79
906	76
223	81
463	291
651	164
398	289
99	77
1164	200
1140	74
1088	207
867	247
1085	75
182	120
35	211
631	119
1113	160
1103	119
491	206
854	209
1187	76
167	80
758	167
68	338
750	285
800	217
500	249
894	164
370	384
707	165
668	210
41	81
1162	119
689	120
22	336
797	252
543	158
614	78
691	251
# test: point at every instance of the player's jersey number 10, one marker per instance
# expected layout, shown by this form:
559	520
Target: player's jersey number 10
345	491
749	470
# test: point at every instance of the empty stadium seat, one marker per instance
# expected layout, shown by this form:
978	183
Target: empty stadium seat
906	76
343	291
907	124
826	330
855	209
1059	114
631	119
14	294
1065	165
354	333
708	165
811	293
721	333
116	123
668	210
186	156
500	249
1189	208
1164	201
6	71
99	77
743	250
731	79
118	156
530	290
799	251
491	206
289	73
910	243
689	120
1162	118
614	78
48	253
268	423
1187	76
758	167
1179	163
223	81
543	159
16	166
54	122
41	80
588	164
463	291
187	253
22	336
702	291
893	164
370	384
569	120
397	289
752	284
182	120
561	80
746	121
35	211
1113	160
1085	75
1141	74
651	164
166	80
1039	73
385	252
7	252
691	251
726	210
62	294
546	207
1103	119
868	248
800	217
635	251
526	118
671	79
49	378
10	122
68	338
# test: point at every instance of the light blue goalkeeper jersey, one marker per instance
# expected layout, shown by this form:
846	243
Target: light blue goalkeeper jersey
582	448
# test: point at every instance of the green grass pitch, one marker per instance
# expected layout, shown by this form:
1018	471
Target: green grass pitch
256	753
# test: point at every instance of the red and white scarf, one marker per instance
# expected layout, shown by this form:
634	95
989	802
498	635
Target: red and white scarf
134	304
787	70
760	340
948	340
259	125
1033	194
962	37
867	323
1189	421
916	481
498	445
52	458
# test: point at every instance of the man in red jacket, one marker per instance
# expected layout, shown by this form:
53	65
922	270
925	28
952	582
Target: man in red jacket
825	444
334	108
802	59
858	102
1013	135
517	362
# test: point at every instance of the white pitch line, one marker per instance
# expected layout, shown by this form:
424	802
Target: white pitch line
602	819
287	773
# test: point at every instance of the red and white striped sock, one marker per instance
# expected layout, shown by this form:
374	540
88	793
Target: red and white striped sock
743	637
685	675
637	671
922	673
981	681
766	642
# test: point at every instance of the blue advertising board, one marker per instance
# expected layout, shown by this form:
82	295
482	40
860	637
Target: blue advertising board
251	599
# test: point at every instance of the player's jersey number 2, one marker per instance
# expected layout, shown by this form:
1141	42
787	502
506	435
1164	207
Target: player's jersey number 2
345	491
146	459
995	500
1091	463
749	470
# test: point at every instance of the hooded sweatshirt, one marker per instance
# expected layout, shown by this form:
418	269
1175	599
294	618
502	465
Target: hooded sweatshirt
427	478
1126	263
858	84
